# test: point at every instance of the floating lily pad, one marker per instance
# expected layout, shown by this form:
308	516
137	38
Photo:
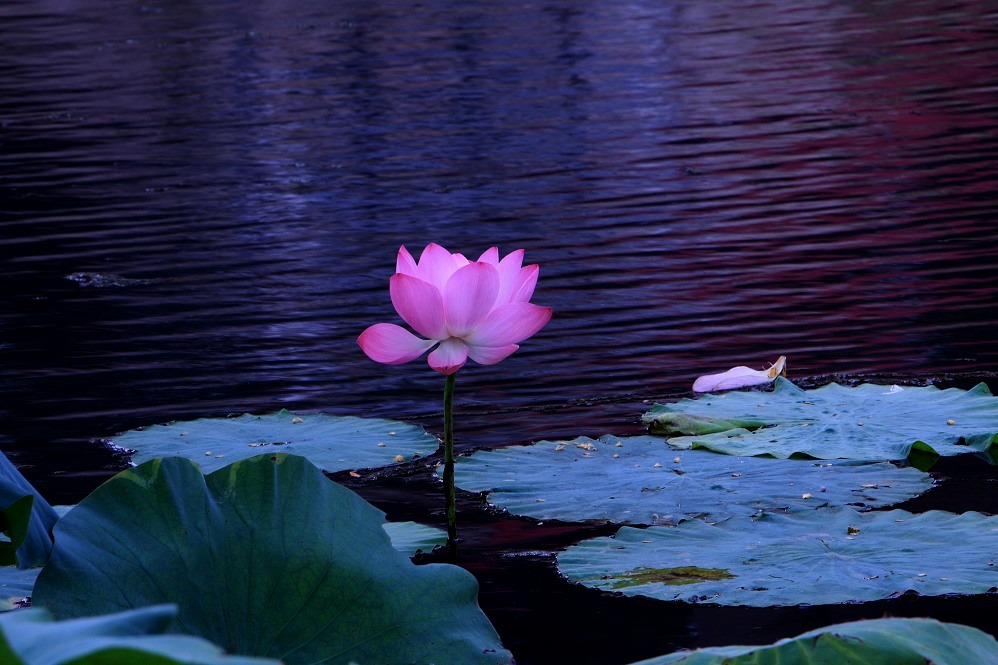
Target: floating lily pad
818	557
268	557
333	443
640	480
874	642
868	422
30	637
15	586
411	537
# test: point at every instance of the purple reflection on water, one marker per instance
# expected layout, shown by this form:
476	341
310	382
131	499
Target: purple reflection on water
703	184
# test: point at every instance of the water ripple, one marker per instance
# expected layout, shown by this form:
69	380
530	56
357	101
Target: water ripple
703	184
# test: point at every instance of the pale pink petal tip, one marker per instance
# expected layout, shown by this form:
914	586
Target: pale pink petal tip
524	283
491	256
405	264
436	265
390	344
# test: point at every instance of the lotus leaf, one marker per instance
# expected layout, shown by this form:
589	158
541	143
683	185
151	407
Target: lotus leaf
866	422
15	586
874	642
267	557
819	557
411	537
640	480
407	537
25	518
333	443
30	637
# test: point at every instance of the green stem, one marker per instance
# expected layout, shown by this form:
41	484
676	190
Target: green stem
449	499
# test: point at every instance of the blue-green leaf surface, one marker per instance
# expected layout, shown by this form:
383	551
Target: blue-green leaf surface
867	422
15	586
333	443
874	642
268	557
30	637
640	480
25	518
818	557
411	538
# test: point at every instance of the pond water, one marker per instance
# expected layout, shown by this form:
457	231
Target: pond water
201	203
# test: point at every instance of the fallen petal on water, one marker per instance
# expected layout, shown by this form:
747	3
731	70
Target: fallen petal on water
741	377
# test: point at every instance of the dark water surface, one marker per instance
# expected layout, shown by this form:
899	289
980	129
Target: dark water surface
201	202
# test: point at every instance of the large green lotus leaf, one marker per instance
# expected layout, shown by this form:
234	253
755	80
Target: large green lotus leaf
30	637
333	443
407	537
267	557
874	642
818	557
640	480
25	518
870	422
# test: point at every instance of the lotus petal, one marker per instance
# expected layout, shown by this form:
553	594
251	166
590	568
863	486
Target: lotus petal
740	377
490	355
469	296
405	264
509	324
420	304
449	357
391	344
436	265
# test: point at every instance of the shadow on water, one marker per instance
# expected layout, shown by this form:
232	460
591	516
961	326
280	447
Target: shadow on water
200	207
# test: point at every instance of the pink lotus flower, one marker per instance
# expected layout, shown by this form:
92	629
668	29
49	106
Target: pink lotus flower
467	309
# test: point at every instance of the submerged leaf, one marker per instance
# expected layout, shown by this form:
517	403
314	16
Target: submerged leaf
675	423
267	557
810	558
874	642
640	480
333	443
867	422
